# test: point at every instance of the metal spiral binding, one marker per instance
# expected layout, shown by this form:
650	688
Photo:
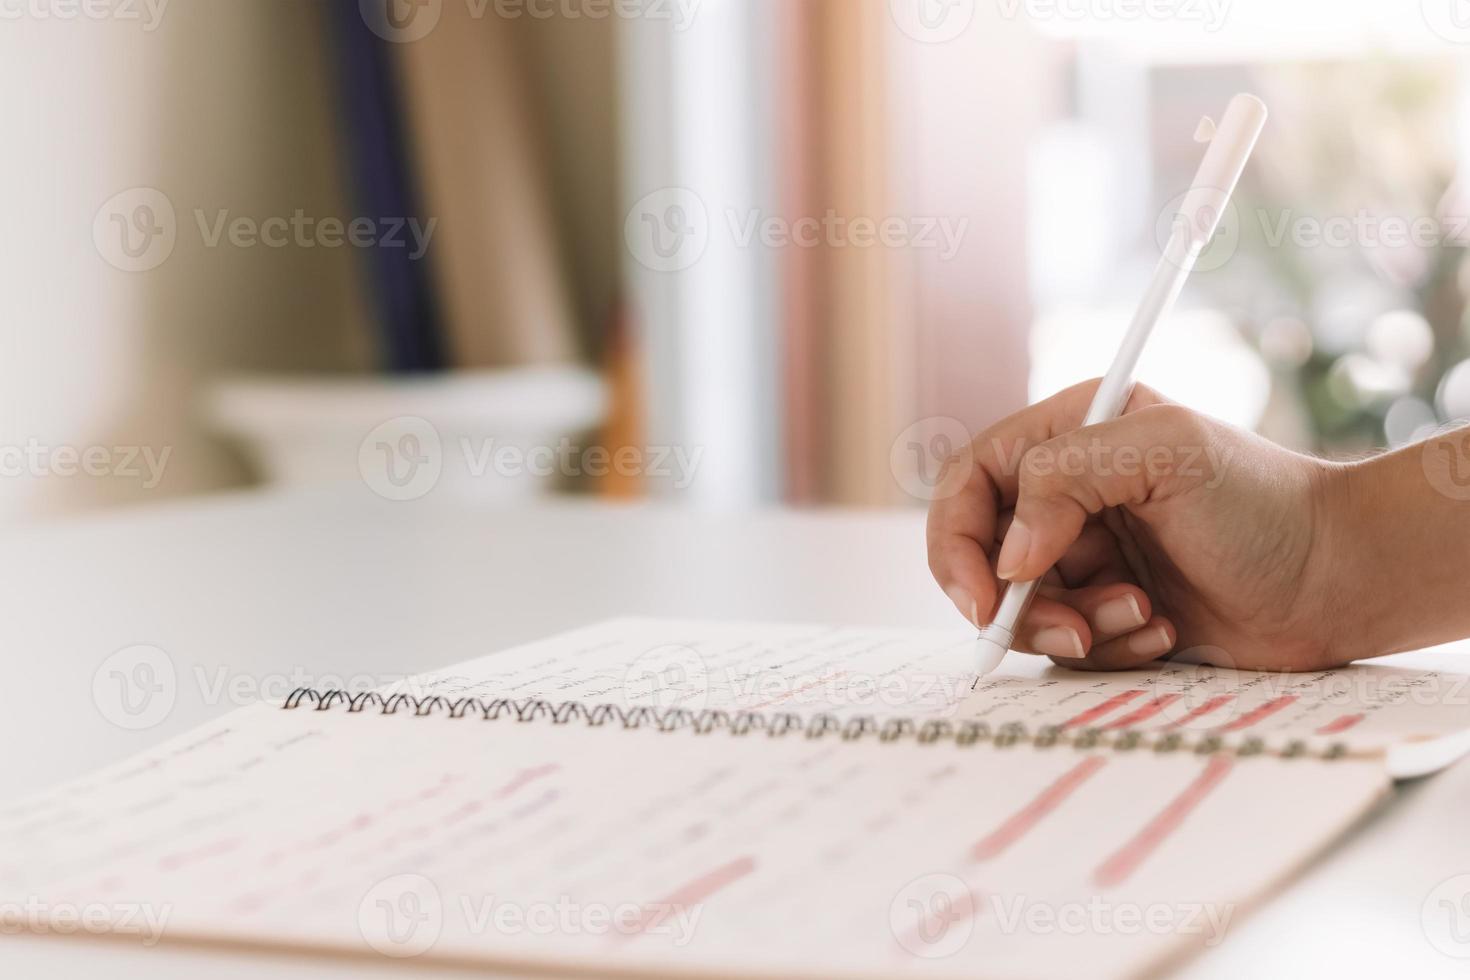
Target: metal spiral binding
780	724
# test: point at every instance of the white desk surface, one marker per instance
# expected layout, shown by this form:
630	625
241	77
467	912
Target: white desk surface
259	587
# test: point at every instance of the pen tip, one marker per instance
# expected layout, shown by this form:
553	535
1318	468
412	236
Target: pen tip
988	655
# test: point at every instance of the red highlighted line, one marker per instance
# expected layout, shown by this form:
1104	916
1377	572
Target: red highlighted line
1260	713
1144	713
525	778
173	862
1097	711
1032	813
939	917
691	893
1123	862
809	686
1204	709
711	881
1340	724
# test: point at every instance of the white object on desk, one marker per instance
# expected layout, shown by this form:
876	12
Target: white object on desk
305	431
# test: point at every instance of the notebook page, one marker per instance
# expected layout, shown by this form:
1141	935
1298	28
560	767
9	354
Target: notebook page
846	672
532	843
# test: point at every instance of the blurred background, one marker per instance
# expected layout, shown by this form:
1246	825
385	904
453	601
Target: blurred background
727	252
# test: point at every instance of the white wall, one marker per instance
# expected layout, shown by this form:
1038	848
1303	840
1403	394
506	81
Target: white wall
218	104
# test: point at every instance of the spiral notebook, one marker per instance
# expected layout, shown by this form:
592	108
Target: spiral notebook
650	797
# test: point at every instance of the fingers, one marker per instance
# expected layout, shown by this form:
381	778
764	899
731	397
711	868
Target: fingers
1079	474
1110	610
1053	629
999	451
1108	622
1094	559
957	527
963	526
1136	649
1070	624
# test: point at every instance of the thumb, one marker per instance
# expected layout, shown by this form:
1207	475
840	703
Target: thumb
1128	460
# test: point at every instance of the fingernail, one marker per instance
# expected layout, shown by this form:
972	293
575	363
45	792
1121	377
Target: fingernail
965	603
1150	642
1059	641
1013	550
1118	616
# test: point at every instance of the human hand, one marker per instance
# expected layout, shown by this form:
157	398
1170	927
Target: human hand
1157	531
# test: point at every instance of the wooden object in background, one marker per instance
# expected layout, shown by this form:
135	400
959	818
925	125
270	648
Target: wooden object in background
504	297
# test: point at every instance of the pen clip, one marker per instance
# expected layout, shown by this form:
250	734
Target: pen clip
1231	142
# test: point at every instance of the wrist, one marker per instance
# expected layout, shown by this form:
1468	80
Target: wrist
1349	559
1395	543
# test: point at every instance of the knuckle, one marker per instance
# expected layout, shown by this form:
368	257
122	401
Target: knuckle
1079	394
1068	402
1148	397
1183	424
959	470
1040	473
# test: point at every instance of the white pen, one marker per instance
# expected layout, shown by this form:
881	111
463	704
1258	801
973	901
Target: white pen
1231	143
